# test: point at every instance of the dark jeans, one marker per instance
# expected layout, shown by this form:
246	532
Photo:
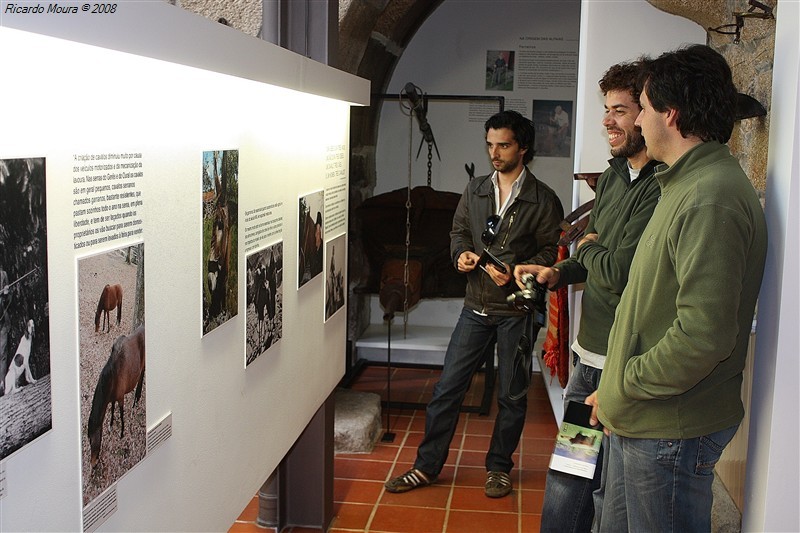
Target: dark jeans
568	505
470	338
659	484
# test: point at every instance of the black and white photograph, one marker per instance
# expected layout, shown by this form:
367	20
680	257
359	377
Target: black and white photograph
264	300
311	233
553	122
220	245
335	260
111	333
25	392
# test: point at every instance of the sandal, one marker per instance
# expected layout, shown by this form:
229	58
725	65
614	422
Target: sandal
410	480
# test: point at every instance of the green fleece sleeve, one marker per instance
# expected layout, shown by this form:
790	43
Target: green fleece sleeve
610	268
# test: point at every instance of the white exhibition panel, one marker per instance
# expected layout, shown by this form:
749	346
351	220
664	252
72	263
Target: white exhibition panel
231	426
447	56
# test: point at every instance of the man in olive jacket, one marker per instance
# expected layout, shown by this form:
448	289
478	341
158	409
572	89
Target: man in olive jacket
670	394
627	193
517	217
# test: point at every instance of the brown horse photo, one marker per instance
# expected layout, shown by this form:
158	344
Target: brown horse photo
110	298
123	371
111	367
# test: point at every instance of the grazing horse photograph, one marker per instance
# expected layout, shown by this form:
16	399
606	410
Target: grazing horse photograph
264	300
112	369
123	372
310	233
25	387
110	298
220	206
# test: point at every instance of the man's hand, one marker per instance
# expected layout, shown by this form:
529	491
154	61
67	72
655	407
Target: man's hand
544	275
467	261
498	277
593	420
589	237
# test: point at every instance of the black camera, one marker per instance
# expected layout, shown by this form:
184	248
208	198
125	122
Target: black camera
531	299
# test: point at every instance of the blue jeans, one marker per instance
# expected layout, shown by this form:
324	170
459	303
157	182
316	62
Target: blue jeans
568	505
659	484
471	336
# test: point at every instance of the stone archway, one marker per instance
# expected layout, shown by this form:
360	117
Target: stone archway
372	37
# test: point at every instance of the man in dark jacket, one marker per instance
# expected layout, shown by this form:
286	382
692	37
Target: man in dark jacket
627	194
515	216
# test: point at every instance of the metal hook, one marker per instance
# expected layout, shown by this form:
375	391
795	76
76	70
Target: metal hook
735	29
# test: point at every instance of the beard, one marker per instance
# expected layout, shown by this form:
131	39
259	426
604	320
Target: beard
634	143
506	165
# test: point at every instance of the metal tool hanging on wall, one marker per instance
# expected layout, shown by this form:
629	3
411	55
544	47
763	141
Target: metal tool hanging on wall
418	106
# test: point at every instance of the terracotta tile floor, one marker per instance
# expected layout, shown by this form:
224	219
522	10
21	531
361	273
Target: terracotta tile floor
456	503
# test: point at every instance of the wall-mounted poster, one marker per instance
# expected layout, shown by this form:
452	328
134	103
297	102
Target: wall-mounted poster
111	318
220	243
264	300
553	121
311	233
499	70
25	393
336	259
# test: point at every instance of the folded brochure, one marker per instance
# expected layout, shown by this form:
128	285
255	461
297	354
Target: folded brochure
578	443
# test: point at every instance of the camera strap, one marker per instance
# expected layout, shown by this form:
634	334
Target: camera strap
522	364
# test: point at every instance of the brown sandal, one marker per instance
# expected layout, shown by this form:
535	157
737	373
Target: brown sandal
410	480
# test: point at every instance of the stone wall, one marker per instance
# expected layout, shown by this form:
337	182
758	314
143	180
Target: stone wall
244	15
751	63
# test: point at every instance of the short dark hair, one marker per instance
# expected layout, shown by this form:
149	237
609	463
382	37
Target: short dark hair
695	81
624	77
524	131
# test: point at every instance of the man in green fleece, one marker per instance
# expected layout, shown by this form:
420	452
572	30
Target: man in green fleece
627	193
670	394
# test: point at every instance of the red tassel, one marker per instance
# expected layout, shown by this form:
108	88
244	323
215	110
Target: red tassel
556	342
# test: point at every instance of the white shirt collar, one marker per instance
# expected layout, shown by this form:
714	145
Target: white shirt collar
515	188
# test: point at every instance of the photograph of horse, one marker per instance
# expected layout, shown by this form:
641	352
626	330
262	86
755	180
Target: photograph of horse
110	299
264	300
310	233
335	260
25	392
220	257
123	372
112	370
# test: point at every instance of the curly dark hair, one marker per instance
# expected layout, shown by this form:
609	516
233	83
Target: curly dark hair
524	132
624	77
695	81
